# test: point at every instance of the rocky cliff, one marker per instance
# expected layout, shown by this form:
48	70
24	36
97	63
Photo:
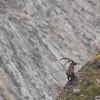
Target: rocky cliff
34	35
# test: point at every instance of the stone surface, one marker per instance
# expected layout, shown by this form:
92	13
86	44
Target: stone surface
34	35
76	90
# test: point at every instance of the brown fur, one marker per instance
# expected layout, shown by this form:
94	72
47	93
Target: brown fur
69	70
70	73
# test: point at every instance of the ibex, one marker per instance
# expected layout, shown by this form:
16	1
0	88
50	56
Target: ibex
70	70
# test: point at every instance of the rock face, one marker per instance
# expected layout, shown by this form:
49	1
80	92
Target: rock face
34	35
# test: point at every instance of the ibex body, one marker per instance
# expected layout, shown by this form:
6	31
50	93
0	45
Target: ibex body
70	70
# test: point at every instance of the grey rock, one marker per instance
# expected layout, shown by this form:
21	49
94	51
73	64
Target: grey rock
34	35
97	97
76	90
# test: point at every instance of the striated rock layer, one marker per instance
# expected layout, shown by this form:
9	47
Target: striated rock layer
34	35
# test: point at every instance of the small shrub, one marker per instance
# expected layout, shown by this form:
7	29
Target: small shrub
94	90
96	61
97	57
84	98
90	73
75	97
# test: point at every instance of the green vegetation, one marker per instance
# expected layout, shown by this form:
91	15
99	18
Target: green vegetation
88	82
